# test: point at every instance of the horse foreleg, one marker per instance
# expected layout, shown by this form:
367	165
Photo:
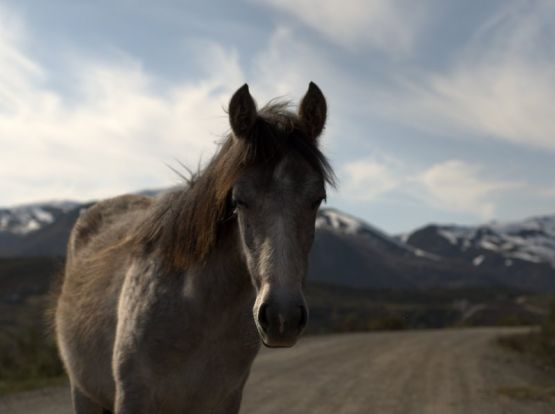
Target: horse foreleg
231	405
132	395
83	404
133	403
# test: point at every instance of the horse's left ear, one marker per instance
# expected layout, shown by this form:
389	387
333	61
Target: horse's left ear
242	112
313	111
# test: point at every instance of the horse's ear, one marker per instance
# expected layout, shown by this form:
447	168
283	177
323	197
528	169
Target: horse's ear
313	111
242	112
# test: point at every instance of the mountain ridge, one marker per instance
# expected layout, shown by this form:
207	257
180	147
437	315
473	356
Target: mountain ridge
351	252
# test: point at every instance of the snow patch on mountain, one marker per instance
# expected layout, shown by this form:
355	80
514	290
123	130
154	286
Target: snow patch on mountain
531	240
339	221
343	223
477	261
28	218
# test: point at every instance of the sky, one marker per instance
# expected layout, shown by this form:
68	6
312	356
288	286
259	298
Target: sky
439	110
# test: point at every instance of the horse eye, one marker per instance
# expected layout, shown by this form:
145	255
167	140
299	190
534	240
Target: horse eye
240	203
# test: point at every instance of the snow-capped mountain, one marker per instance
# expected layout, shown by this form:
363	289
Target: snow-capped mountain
348	251
40	229
531	240
31	217
343	223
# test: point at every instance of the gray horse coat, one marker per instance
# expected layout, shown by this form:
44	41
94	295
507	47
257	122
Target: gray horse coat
165	300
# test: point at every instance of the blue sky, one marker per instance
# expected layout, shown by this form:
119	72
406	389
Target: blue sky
440	111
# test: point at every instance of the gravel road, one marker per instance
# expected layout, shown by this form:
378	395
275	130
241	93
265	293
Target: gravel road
436	372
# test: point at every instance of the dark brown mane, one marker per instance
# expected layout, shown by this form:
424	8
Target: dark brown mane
185	224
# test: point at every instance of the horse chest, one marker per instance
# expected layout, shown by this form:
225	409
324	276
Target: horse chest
207	374
216	351
192	344
199	354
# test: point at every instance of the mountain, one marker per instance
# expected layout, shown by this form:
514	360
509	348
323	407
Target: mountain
31	217
347	251
523	251
338	222
531	240
37	229
350	252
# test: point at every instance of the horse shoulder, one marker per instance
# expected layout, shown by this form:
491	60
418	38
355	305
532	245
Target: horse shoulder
94	220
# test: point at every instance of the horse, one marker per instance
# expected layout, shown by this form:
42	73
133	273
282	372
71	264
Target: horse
164	301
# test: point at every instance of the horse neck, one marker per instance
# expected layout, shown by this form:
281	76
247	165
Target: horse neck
221	271
224	272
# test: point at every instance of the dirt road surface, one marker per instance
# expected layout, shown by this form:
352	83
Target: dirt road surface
435	372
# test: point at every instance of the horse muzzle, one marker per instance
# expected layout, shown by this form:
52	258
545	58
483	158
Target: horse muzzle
280	323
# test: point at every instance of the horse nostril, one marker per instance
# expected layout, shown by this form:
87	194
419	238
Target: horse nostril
263	316
304	318
282	321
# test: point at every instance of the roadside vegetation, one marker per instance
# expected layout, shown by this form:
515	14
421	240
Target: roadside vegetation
28	357
539	344
340	309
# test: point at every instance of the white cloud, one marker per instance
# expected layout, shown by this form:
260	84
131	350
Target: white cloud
287	64
366	180
502	86
115	136
119	128
453	185
389	25
549	192
458	186
17	71
284	69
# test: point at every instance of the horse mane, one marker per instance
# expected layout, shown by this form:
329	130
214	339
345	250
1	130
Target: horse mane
186	224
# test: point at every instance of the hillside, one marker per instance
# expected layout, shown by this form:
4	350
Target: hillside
361	279
520	253
350	252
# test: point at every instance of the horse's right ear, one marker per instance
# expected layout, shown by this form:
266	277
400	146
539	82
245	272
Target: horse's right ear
313	111
242	112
